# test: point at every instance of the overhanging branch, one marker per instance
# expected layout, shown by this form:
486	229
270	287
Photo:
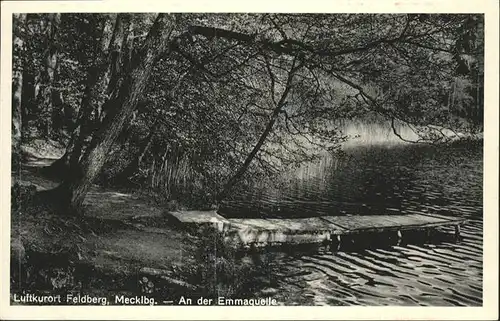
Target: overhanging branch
286	46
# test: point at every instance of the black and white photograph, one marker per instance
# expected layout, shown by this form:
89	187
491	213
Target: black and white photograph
246	159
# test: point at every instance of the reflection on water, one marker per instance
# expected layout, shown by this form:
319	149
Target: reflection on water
379	180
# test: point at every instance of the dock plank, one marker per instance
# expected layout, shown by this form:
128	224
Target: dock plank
198	217
291	225
263	231
389	222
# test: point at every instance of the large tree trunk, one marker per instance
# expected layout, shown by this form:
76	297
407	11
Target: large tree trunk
110	83
79	182
99	83
47	92
72	155
57	100
27	99
93	96
17	88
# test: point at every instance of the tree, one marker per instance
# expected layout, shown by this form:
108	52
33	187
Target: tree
101	80
233	94
388	62
17	86
48	98
277	106
74	189
384	55
468	87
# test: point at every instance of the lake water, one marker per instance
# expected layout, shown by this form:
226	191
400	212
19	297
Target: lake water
378	179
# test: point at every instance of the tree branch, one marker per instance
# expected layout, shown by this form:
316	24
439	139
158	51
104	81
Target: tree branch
286	46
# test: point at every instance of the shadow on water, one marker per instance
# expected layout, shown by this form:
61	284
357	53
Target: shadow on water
368	180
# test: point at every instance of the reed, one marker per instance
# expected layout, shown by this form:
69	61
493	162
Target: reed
362	133
174	180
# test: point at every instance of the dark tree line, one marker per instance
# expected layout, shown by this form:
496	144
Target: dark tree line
219	96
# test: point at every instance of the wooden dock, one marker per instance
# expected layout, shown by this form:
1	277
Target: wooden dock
263	232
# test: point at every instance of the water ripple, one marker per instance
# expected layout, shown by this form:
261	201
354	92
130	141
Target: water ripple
407	179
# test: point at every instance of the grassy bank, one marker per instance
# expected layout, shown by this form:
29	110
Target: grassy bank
123	244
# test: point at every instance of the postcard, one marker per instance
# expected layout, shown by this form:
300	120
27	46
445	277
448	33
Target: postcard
262	160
